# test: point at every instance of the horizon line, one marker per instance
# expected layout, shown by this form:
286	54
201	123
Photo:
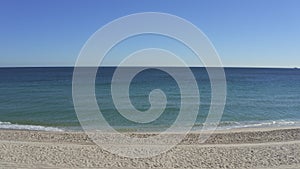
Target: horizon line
51	66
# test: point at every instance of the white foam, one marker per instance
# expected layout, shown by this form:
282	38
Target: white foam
250	124
8	125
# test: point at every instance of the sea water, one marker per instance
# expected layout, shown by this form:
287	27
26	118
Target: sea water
36	98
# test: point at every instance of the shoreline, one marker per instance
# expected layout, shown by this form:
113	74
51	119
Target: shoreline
229	126
28	127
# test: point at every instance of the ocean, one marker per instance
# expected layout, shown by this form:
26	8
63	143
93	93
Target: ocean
40	98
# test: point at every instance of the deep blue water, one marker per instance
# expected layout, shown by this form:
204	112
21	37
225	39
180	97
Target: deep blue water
41	98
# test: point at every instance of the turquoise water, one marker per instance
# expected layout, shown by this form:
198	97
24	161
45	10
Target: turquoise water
41	98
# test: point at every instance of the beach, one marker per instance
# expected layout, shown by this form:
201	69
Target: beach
237	148
150	85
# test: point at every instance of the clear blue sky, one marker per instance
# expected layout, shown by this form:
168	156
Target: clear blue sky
244	32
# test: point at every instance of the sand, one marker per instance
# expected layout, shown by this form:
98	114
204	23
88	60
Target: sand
244	148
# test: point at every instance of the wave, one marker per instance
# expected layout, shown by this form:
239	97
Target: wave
250	124
8	125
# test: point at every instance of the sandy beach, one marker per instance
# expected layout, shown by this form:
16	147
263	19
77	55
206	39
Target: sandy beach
240	148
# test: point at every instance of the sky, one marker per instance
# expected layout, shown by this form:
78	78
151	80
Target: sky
245	33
